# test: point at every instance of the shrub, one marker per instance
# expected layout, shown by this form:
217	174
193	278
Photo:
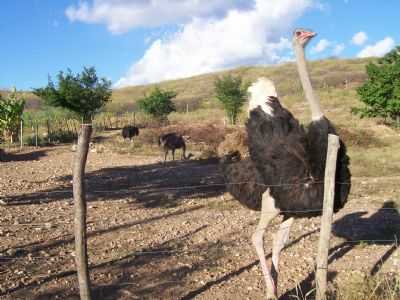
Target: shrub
158	104
381	92
231	92
11	108
84	93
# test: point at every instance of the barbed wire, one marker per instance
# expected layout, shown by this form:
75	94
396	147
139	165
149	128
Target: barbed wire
166	188
51	225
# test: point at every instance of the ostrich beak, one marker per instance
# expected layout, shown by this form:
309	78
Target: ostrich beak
309	34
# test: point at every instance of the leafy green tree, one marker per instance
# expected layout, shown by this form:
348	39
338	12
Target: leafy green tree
158	104
381	92
231	92
84	93
11	109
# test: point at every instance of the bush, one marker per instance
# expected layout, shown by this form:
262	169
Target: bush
381	92
158	104
232	94
11	108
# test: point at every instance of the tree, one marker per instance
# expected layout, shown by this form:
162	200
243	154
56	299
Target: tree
158	104
381	92
82	93
11	109
231	92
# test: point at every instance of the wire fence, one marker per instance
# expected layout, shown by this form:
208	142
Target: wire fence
150	189
6	258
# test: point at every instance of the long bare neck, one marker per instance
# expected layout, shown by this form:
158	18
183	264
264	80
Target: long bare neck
313	100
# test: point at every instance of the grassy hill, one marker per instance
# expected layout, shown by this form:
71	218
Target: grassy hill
197	91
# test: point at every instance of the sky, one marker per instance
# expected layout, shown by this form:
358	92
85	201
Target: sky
133	42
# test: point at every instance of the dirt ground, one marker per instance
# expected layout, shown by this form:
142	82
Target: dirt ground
169	231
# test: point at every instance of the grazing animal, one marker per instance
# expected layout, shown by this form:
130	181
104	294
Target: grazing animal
285	171
172	141
130	132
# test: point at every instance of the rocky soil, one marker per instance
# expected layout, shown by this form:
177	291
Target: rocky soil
169	231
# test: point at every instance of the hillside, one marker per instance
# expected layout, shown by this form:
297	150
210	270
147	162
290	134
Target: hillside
197	91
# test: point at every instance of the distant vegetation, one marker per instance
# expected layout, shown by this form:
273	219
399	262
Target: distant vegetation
158	104
232	94
381	92
11	108
198	92
84	94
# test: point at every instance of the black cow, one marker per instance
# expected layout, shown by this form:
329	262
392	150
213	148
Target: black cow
128	132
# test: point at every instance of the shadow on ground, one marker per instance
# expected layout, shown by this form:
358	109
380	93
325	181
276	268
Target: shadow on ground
164	270
33	155
382	227
154	185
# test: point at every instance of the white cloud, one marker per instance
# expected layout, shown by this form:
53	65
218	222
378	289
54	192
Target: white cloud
241	37
338	49
122	15
359	38
322	45
379	49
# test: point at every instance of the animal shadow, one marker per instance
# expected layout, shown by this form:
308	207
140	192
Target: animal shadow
382	227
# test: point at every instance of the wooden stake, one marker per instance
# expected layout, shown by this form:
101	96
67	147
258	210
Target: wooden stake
48	130
36	134
326	220
21	136
81	259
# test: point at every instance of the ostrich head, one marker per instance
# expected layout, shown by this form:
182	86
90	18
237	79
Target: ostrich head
260	91
302	36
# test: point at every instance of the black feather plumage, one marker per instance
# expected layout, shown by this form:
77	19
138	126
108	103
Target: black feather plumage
290	160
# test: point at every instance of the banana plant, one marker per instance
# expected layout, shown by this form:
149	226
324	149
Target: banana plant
11	108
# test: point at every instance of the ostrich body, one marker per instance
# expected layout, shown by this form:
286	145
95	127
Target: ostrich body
172	141
128	132
285	171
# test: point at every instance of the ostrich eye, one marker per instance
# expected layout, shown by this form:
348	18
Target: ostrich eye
298	33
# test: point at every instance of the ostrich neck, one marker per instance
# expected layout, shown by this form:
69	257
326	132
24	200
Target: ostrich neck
313	101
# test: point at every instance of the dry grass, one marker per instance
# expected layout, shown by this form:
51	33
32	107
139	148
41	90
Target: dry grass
198	91
360	286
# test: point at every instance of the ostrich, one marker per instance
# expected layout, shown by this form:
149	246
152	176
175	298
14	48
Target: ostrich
288	161
172	141
129	132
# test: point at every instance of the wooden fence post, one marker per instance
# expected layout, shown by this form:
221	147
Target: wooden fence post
21	136
36	134
326	220
48	131
81	259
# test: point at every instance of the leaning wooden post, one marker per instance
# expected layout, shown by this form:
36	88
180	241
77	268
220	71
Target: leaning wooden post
326	220
81	259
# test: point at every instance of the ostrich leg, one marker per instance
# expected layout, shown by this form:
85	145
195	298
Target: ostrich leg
280	240
268	213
